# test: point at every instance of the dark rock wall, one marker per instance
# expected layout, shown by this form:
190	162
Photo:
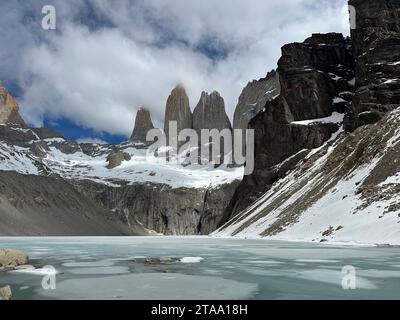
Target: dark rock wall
377	50
312	74
179	211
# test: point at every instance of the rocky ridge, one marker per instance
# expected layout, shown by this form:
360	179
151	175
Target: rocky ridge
313	180
316	82
138	194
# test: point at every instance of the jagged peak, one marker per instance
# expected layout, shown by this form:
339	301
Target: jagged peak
179	90
9	109
143	123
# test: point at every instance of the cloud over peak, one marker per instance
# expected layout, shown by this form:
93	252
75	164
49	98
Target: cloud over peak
107	58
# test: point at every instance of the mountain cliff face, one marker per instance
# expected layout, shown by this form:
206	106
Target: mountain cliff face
377	53
316	82
9	109
165	209
210	113
178	109
143	124
253	98
313	180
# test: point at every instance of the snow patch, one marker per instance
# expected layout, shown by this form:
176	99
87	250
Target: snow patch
334	118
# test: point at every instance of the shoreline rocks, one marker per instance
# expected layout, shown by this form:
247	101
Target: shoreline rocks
5	293
11	258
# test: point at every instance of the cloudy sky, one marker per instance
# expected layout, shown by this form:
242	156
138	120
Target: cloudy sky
108	57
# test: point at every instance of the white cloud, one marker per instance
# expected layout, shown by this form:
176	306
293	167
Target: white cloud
90	140
98	78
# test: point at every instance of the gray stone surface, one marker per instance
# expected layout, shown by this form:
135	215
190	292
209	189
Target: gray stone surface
12	258
5	293
178	109
311	74
115	159
254	97
210	113
377	48
143	124
171	211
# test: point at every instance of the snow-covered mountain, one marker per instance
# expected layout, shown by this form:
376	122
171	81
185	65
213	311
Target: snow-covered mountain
327	146
135	186
348	190
335	177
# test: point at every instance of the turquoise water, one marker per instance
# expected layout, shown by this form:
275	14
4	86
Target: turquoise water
115	268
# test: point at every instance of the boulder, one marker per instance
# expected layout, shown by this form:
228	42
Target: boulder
5	293
12	258
116	158
143	124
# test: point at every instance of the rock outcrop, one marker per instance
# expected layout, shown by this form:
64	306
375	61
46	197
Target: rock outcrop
12	258
46	133
254	97
143	124
314	77
313	74
252	101
210	113
377	51
116	158
178	109
9	109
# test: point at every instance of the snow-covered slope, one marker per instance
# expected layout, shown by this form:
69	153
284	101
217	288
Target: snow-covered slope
346	191
76	164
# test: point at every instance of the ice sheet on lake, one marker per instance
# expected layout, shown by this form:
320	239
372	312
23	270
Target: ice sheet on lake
153	286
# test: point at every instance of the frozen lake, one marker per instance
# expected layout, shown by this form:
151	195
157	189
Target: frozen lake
201	268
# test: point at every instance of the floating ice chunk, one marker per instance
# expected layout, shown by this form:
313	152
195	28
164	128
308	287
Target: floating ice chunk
191	259
37	272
